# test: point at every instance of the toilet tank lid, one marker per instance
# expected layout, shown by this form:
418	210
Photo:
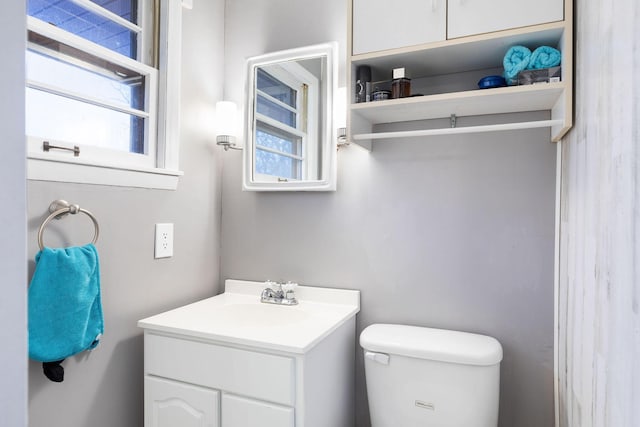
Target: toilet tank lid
432	344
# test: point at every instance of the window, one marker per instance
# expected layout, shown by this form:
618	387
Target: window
93	83
286	141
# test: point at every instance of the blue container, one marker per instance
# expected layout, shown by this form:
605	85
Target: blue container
491	81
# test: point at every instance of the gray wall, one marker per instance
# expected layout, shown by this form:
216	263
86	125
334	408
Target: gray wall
599	280
104	388
13	317
451	232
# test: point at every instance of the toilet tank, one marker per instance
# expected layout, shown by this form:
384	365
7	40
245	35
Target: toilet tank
431	377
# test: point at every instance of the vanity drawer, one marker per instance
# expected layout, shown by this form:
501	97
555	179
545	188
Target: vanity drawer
263	376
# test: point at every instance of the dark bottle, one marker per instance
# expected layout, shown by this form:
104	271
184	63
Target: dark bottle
400	85
363	83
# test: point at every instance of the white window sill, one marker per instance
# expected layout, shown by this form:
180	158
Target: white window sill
42	169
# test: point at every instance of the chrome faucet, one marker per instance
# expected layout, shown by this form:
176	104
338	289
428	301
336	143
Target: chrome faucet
279	293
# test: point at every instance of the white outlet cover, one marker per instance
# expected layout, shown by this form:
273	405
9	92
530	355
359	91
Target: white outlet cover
164	240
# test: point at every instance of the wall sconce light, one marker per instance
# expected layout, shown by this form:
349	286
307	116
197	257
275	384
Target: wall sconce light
226	125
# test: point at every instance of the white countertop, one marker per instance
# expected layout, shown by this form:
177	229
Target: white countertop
238	317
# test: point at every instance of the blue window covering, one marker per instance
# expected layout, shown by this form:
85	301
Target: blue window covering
77	20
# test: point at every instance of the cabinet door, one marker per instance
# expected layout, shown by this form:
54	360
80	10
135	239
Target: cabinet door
388	24
173	404
469	17
242	412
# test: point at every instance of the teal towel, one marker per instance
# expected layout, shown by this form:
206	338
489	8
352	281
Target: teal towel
544	57
515	60
65	311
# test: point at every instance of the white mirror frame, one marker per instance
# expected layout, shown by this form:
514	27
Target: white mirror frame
330	134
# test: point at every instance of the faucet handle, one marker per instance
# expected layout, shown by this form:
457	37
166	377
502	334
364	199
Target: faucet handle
289	287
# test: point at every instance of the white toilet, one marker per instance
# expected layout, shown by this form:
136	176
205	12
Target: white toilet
431	377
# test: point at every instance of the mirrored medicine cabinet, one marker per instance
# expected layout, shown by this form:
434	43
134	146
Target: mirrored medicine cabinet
290	127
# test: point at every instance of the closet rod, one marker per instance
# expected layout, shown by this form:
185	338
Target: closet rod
450	131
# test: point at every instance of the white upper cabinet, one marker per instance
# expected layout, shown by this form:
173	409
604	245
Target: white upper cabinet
470	17
446	47
384	24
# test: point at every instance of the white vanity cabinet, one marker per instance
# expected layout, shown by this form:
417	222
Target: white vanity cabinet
385	24
244	383
470	17
230	361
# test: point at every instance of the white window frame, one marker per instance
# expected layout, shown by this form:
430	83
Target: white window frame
294	76
164	124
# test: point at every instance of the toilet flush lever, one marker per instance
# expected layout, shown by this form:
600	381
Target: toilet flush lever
377	357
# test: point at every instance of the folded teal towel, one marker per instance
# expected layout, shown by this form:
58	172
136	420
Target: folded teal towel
544	57
515	60
65	311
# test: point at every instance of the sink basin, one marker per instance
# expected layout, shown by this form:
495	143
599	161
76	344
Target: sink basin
259	315
237	316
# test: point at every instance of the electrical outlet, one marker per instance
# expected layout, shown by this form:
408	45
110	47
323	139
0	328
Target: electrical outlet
164	241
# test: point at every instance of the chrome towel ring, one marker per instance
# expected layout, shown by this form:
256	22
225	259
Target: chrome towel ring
59	209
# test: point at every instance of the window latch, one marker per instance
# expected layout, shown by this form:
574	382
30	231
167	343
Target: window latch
46	147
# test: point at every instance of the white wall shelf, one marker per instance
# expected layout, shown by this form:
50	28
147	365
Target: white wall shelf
461	54
467	103
447	72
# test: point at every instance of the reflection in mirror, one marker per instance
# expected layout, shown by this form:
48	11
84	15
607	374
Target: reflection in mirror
291	138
